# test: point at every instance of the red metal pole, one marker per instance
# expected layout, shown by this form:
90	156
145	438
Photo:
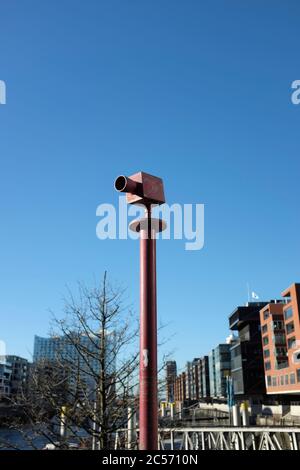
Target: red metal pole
148	406
142	188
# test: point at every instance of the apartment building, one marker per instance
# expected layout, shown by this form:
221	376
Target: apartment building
193	380
247	365
19	374
171	374
5	379
180	387
280	329
193	384
204	388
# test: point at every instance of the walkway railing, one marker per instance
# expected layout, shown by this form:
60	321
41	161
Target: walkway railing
218	438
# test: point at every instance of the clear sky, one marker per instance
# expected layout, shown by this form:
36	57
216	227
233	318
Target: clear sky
198	93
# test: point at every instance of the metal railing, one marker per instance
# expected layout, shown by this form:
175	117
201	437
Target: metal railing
217	438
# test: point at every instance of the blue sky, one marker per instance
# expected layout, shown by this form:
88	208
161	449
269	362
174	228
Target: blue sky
198	93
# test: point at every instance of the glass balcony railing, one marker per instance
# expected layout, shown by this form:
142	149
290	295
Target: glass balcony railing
282	365
236	362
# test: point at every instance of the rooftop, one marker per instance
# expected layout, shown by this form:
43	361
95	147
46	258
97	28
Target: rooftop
245	314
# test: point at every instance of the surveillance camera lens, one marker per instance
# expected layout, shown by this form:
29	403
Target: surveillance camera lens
120	183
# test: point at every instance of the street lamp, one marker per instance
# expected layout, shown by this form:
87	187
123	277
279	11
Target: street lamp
147	190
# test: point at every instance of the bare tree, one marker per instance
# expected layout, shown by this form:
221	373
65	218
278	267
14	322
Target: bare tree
85	390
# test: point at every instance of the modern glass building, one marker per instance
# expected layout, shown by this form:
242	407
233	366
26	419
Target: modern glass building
80	354
204	378
219	369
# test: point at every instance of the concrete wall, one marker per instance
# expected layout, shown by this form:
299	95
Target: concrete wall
264	410
295	410
215	406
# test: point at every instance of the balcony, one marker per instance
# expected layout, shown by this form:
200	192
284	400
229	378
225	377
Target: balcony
279	339
278	325
234	320
282	365
280	353
236	362
245	314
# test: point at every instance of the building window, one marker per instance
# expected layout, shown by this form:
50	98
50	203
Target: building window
290	327
279	339
267	365
266	314
282	380
266	353
265	340
264	328
286	380
274	381
269	380
277	325
292	379
288	313
298	375
280	351
291	342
